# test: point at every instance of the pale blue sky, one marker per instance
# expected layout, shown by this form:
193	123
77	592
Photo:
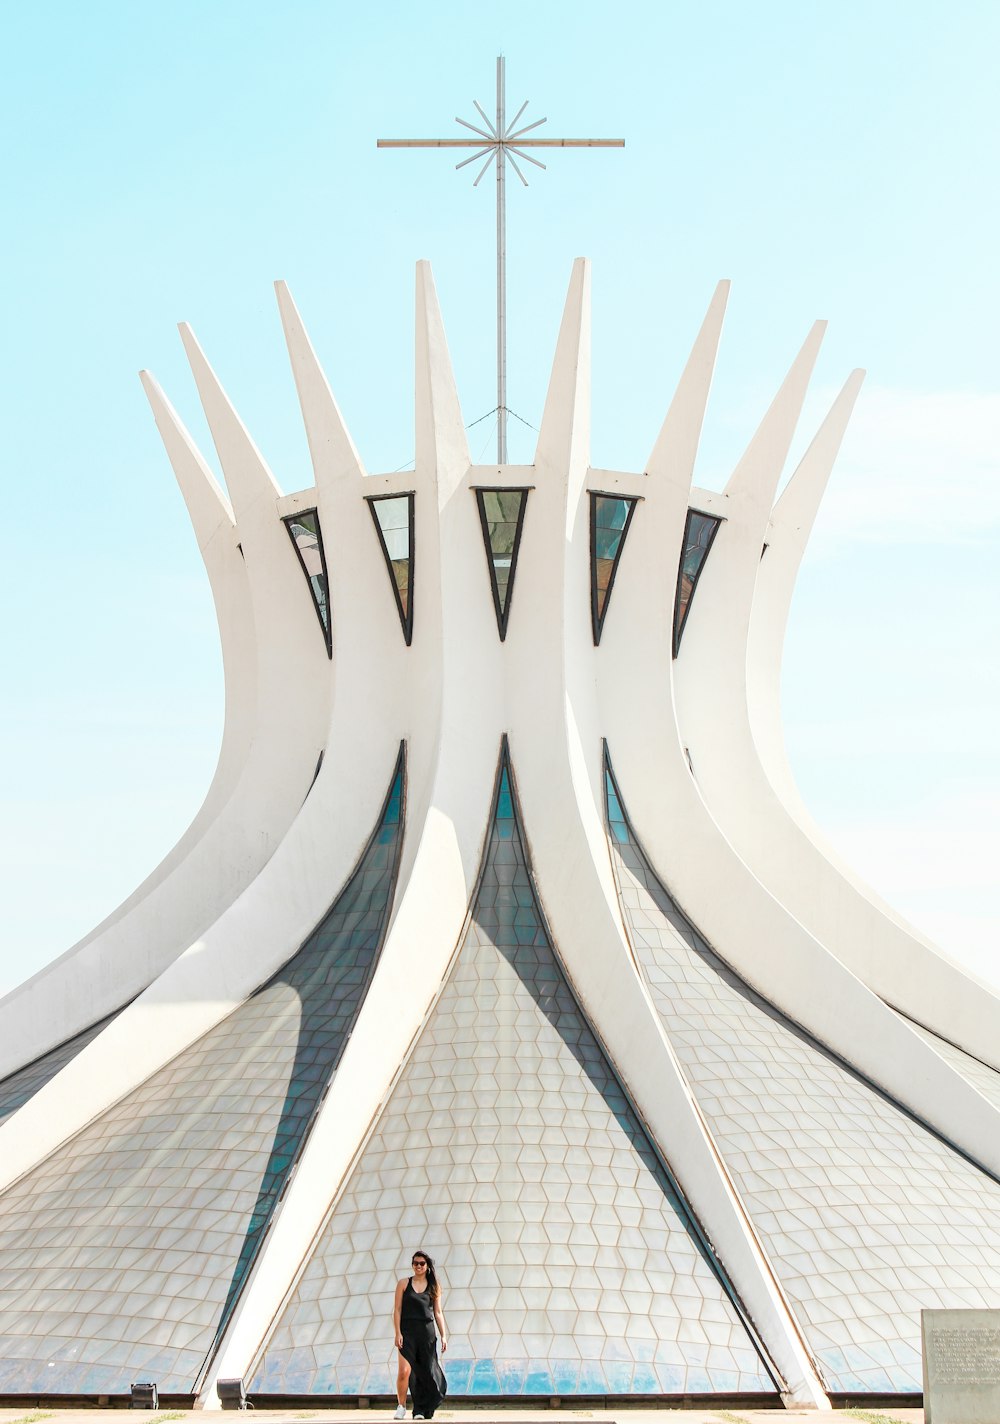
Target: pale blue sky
166	163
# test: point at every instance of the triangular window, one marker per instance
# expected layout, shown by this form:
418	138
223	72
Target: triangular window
699	531
610	517
393	517
307	537
501	513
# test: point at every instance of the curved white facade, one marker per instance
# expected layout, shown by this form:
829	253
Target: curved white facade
502	931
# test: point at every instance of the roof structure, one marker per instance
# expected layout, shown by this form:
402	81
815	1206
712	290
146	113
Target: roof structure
501	933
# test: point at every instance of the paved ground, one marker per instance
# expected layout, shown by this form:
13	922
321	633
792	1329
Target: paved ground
486	1416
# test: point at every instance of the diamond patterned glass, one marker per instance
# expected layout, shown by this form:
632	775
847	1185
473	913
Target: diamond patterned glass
509	1151
866	1215
123	1253
307	538
16	1089
610	518
501	514
699	531
393	516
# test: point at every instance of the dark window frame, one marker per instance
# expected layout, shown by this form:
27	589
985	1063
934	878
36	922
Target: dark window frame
680	623
405	615
480	491
597	621
327	627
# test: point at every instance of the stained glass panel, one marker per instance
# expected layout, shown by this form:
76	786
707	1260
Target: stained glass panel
509	1150
866	1216
123	1254
307	539
393	516
610	517
501	513
699	531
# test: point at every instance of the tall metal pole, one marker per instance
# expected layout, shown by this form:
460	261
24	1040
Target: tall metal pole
500	146
501	269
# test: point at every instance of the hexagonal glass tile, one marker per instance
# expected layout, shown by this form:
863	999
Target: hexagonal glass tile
124	1252
543	1261
866	1215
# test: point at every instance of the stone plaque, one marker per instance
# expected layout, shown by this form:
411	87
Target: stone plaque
961	1351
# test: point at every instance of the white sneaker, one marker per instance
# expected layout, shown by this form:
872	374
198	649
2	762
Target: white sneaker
400	1412
418	1416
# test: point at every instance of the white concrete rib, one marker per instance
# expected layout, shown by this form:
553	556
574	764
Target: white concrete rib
232	834
674	817
451	761
271	885
792	855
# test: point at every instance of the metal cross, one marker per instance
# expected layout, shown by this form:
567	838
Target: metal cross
501	143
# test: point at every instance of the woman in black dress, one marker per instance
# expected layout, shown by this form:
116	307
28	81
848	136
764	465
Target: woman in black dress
417	1309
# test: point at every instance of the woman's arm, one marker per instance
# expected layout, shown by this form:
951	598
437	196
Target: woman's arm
439	1317
396	1308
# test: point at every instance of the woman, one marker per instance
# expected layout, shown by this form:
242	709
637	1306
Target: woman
417	1309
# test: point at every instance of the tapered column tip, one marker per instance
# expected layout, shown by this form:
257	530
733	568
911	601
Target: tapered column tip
286	302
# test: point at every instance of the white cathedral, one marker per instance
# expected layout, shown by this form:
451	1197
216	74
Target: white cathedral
501	933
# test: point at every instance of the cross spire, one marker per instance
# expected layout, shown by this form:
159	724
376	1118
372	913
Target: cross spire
498	143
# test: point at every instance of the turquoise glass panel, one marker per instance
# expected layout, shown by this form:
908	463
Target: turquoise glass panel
616	816
484	1378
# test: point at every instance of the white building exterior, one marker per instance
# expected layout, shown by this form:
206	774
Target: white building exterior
503	933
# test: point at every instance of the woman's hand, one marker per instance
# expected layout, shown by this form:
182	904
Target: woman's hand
399	1340
444	1346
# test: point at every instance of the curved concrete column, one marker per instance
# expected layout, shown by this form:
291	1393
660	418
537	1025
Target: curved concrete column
81	986
119	957
559	779
791	856
734	911
214	524
457	712
370	705
277	711
563	799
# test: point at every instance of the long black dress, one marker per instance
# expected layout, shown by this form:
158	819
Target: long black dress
428	1385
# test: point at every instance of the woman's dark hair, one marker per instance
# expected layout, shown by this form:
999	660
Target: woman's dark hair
432	1280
